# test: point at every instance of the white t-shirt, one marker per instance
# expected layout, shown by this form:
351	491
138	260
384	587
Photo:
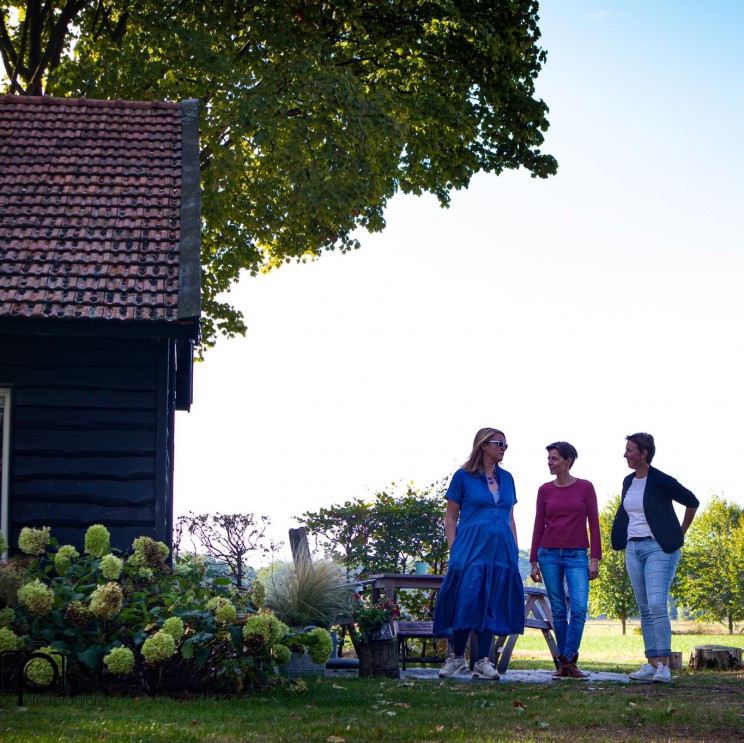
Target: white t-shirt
633	503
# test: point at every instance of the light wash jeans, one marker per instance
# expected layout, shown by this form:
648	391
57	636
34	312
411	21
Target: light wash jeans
572	565
651	571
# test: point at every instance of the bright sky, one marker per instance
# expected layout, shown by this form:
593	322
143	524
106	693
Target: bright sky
603	301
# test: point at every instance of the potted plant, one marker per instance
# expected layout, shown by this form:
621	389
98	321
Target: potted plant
309	596
373	638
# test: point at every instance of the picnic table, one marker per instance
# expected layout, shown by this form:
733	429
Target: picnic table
537	615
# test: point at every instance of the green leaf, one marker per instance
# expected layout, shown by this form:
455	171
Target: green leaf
91	657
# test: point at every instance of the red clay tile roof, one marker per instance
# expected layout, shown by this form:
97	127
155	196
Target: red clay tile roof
91	210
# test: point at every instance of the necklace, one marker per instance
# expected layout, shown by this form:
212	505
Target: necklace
491	479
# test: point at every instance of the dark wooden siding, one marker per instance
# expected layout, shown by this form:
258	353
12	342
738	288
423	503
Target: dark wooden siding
91	435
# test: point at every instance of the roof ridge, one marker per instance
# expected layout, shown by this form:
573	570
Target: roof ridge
49	100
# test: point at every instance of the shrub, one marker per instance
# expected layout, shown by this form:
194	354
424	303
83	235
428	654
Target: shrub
99	609
313	592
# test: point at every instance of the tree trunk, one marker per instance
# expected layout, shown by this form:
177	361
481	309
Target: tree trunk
622	621
719	657
731	624
379	659
675	662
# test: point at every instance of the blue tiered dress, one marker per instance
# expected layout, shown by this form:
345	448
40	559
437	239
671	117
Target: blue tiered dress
482	590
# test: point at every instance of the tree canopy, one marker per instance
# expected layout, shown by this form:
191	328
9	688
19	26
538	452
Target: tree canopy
612	593
710	577
314	113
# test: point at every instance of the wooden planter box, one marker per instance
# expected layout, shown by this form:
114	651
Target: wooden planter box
379	658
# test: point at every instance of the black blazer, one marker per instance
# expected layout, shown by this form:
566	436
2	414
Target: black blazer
660	491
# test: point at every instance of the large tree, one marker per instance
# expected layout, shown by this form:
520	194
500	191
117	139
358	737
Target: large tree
710	577
314	113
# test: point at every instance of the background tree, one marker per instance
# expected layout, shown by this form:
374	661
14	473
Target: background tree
227	537
710	576
388	535
408	527
612	593
313	113
343	532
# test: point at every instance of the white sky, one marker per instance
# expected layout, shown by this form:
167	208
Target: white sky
603	301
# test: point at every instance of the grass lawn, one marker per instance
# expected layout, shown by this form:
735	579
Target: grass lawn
702	706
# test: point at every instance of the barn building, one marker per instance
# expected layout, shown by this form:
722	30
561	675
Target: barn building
99	311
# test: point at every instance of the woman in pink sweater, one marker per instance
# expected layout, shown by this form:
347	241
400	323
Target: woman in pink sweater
565	506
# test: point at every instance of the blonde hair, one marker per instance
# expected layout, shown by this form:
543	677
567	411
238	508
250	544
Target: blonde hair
474	463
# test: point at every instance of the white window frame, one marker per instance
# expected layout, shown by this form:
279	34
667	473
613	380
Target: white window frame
4	475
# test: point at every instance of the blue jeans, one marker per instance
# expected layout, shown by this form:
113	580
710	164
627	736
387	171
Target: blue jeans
651	571
572	565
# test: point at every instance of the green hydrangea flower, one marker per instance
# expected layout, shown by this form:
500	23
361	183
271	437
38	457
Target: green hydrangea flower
8	639
119	661
214	603
159	647
226	614
106	600
322	647
7	615
78	613
34	541
39	671
257	594
264	626
150	553
97	540
174	627
111	567
64	557
37	597
282	654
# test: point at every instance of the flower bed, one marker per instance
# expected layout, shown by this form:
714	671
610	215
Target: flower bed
131	623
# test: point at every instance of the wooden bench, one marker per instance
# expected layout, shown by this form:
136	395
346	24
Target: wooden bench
415	630
537	615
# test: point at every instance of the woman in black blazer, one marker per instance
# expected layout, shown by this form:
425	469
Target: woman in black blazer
647	528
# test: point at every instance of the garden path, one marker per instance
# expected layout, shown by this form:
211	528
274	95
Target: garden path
532	677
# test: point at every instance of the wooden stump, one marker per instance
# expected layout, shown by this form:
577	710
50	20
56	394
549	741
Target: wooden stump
675	662
379	659
720	657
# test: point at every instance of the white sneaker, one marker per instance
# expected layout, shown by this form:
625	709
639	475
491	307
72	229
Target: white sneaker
453	666
645	674
663	675
484	669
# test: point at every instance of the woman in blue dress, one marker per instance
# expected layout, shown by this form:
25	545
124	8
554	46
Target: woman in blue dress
482	591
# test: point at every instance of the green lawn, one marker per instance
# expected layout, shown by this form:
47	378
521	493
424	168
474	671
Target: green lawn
700	706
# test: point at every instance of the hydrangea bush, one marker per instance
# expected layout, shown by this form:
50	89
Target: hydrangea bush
131	622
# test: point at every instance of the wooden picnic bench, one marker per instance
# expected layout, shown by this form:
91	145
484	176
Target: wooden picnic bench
536	611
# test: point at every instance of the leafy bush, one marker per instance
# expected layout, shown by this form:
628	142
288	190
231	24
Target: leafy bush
127	622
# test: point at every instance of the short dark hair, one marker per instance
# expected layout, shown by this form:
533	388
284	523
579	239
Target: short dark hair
566	450
644	442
